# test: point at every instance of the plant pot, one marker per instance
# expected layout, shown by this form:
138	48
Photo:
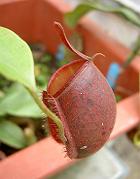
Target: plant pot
33	21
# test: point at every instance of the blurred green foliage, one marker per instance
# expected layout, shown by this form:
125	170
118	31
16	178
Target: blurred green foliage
72	18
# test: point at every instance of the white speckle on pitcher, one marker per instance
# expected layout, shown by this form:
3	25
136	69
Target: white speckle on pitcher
83	147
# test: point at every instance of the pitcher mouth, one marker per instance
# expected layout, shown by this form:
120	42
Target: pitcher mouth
62	76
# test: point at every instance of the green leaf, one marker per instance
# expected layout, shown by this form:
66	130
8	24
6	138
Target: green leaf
18	102
11	134
136	138
16	61
30	136
118	98
72	18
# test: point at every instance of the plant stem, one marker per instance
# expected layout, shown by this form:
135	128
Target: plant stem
49	113
133	54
